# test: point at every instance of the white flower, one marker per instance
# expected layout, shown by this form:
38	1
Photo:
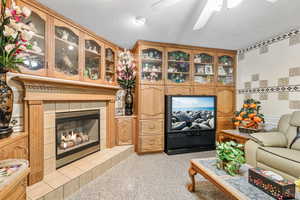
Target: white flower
16	26
26	11
27	35
7	12
9	32
9	47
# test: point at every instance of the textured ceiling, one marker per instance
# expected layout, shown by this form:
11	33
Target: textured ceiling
251	21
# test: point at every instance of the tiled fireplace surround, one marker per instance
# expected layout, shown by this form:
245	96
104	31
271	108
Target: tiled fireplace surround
50	109
42	98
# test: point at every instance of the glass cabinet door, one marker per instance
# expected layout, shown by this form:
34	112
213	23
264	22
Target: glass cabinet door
225	70
110	57
34	59
203	68
151	62
66	51
178	66
92	60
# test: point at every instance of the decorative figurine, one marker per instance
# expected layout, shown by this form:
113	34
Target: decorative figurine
65	35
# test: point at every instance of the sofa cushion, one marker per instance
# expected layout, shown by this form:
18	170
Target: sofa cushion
282	159
284	123
270	139
295	119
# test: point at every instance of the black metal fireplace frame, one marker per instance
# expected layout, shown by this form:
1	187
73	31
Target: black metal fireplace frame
91	116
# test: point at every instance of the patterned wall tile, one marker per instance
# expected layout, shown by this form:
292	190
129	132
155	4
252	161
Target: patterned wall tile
263	96
263	83
294	71
263	49
283	96
283	81
255	77
294	40
247	85
294	105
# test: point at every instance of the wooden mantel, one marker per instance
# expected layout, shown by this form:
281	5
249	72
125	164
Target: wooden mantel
38	90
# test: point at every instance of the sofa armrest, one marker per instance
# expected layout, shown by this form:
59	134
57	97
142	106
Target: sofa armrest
269	139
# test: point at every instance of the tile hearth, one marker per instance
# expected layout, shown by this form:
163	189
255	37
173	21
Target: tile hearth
65	181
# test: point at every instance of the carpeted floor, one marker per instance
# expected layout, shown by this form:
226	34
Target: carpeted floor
150	177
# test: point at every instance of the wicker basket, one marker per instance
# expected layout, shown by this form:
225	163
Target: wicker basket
249	130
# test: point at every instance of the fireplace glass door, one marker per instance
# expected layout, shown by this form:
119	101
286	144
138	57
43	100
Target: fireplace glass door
77	135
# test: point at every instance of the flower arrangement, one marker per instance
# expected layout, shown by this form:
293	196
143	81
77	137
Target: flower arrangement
230	157
249	116
14	35
126	70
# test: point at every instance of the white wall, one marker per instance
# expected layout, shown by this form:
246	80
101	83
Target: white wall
272	65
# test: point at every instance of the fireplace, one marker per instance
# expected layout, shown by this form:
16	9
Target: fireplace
77	135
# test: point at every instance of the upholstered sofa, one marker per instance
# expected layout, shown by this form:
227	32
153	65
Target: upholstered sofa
277	151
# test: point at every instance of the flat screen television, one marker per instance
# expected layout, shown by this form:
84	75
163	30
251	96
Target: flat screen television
191	113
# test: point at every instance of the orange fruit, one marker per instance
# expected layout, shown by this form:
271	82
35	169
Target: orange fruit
257	119
239	118
242	113
251	115
252	105
245	105
236	123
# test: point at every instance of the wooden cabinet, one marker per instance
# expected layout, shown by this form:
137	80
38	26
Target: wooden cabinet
203	68
92	59
225	101
178	70
186	70
66	50
35	61
15	146
110	64
151	102
151	60
125	129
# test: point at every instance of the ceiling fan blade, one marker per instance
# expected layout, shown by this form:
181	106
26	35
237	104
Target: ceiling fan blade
209	9
164	3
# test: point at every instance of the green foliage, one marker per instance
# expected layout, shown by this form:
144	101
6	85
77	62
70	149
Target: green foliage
230	157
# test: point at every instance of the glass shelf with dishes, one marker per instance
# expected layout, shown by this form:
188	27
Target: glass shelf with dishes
152	61
225	70
109	65
66	51
34	59
92	70
203	68
178	67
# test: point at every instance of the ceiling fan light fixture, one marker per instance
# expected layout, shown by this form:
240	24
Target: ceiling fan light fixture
233	3
140	21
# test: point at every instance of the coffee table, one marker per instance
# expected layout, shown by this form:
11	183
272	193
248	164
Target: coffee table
236	188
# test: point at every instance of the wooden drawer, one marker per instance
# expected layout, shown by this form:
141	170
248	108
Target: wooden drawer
152	127
151	143
18	192
16	149
179	90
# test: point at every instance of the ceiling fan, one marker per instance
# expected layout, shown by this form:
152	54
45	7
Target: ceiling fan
210	8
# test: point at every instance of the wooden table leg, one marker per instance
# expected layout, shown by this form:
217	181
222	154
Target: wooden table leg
192	173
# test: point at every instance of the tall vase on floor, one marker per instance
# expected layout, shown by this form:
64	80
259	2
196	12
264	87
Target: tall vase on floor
126	78
6	106
128	102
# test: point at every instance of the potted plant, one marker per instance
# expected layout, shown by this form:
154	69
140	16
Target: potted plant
230	157
14	40
249	119
126	72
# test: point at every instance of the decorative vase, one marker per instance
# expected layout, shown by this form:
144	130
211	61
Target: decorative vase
6	106
128	102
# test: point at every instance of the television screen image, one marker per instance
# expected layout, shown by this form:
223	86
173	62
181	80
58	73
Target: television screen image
193	113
